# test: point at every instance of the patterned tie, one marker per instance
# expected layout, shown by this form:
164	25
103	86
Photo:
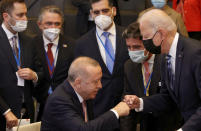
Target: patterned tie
147	71
50	57
109	52
84	107
169	70
14	46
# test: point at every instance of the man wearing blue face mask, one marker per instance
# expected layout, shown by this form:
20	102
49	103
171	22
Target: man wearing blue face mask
176	17
142	78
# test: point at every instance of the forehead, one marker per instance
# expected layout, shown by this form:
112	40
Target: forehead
133	41
94	72
51	17
100	5
19	8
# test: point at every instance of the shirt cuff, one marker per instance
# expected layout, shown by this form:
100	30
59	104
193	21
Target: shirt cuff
6	112
180	129
35	81
141	106
115	112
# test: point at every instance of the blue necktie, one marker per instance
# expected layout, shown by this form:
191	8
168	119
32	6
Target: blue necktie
169	69
109	52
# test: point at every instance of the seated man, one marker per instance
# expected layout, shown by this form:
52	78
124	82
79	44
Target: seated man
69	108
142	78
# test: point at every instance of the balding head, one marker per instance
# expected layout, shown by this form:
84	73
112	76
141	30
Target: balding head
158	26
85	77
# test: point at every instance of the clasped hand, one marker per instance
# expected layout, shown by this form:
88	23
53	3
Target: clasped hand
132	101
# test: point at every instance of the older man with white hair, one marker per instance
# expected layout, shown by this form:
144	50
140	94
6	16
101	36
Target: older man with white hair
181	70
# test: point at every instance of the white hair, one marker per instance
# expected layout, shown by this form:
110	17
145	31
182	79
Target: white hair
157	18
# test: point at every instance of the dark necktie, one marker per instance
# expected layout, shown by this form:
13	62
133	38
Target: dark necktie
109	52
169	71
14	46
51	58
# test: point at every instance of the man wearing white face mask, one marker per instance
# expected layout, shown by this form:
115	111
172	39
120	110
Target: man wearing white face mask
19	67
55	52
142	78
176	17
104	43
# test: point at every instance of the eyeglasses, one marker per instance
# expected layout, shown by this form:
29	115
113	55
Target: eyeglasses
104	11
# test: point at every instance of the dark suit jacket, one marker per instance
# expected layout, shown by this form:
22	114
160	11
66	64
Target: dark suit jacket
63	112
112	84
10	93
64	59
187	85
134	85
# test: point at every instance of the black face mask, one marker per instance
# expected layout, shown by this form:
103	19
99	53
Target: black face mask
149	45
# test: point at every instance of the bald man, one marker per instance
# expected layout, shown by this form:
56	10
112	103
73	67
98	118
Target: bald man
181	70
68	108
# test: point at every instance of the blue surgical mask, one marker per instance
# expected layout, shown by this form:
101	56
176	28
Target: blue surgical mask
137	56
158	3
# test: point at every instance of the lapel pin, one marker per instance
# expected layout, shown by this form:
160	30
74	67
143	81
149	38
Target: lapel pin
64	45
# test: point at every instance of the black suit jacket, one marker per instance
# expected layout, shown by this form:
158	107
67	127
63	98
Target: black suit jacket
64	59
187	85
63	112
112	84
11	94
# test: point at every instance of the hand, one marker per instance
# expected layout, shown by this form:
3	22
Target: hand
11	120
132	100
27	74
122	109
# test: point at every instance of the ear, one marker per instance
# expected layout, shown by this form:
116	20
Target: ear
5	16
40	25
92	14
163	33
114	11
77	82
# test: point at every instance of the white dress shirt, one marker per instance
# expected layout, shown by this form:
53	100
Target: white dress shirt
54	48
112	38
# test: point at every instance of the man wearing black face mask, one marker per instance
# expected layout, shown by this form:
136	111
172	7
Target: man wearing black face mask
180	71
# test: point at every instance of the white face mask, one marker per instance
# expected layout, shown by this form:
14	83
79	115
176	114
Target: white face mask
103	21
138	56
158	3
20	25
51	33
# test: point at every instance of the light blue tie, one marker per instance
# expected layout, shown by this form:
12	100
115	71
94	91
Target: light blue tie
109	52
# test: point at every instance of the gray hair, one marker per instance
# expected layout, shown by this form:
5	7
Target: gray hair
158	19
51	9
78	67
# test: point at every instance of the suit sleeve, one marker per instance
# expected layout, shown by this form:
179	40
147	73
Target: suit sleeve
66	115
194	122
3	106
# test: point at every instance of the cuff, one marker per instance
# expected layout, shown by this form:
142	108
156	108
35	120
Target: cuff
6	112
115	112
141	106
180	129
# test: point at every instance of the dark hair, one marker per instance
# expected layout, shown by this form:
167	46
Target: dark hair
6	6
132	31
109	1
51	9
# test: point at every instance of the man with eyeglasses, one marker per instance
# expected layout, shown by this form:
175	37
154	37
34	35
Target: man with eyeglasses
104	43
55	52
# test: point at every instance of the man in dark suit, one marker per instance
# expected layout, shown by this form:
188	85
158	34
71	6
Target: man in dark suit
181	70
16	66
55	52
105	44
68	108
142	78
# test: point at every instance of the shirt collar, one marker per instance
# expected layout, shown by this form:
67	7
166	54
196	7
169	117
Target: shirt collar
111	30
151	60
79	97
46	41
173	47
8	33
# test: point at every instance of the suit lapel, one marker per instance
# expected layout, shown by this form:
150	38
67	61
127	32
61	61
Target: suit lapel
178	65
41	52
7	49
